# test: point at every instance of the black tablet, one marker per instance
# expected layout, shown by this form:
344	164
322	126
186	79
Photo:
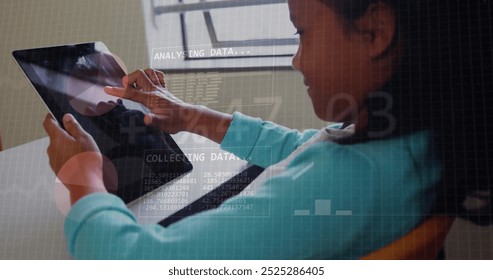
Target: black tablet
70	79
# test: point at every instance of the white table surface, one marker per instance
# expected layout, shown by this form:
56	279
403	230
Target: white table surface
31	219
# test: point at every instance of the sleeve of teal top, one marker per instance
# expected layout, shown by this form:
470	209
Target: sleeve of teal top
289	217
260	142
332	201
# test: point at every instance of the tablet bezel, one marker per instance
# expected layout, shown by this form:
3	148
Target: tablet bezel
57	110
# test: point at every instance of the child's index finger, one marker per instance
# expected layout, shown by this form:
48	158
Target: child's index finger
115	91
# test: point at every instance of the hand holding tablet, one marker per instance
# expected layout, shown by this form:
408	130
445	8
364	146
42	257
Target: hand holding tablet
70	79
79	165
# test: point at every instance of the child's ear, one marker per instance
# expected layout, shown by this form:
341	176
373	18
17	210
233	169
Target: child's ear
377	28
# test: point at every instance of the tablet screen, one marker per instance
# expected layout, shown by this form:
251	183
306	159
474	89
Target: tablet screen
70	79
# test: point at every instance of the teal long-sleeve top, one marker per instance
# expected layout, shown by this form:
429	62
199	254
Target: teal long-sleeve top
316	200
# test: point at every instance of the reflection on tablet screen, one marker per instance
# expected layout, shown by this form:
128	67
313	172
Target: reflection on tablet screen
70	79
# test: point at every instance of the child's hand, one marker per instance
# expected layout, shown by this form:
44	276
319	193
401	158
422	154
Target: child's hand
169	113
74	157
147	87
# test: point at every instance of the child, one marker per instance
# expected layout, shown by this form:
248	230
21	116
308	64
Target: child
400	77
